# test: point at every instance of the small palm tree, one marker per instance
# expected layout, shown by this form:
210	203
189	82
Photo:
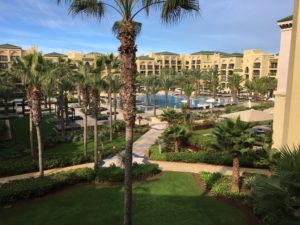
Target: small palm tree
233	136
211	80
188	89
171	116
235	84
179	134
127	29
277	199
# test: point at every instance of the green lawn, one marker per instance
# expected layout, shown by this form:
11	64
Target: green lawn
175	199
201	138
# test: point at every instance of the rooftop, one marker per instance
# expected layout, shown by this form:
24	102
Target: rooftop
166	53
9	46
146	57
289	18
54	54
207	53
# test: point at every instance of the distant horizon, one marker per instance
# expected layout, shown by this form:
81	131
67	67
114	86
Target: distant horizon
224	25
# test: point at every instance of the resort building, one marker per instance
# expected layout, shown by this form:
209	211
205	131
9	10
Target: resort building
251	64
8	53
287	107
54	56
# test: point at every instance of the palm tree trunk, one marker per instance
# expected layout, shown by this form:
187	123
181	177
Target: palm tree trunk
86	100
147	96
235	173
127	36
33	153
66	108
95	100
154	105
176	146
78	93
110	111
115	106
40	149
8	135
166	98
37	118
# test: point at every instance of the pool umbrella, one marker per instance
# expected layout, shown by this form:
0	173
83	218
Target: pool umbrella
250	116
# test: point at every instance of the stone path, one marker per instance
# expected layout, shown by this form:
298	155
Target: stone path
197	167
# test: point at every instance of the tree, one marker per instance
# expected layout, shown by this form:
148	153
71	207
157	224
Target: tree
234	83
153	89
116	86
96	83
188	89
277	199
171	116
179	134
166	81
126	30
32	71
82	79
111	64
233	136
211	80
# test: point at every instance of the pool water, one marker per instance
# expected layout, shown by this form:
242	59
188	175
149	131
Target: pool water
176	101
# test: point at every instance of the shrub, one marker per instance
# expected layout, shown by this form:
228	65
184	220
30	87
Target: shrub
116	174
36	187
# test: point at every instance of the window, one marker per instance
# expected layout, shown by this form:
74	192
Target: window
247	70
179	62
231	66
142	67
157	67
173	62
256	65
198	61
3	65
224	66
150	67
273	65
193	61
167	62
3	58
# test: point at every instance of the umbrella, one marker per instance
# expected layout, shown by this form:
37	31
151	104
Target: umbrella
250	115
211	100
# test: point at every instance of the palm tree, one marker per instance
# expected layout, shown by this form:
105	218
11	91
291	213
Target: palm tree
197	76
233	136
32	72
116	86
277	199
188	89
82	79
154	88
171	116
111	64
211	80
234	83
179	134
96	83
146	82
127	29
166	81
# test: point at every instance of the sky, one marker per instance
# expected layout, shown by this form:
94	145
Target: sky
223	25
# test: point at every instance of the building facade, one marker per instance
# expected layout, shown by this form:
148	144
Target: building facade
8	53
251	64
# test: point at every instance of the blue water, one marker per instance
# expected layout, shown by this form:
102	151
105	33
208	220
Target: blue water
175	101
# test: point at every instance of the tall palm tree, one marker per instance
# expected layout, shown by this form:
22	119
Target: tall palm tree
211	80
116	86
154	88
31	70
127	29
166	81
96	83
235	84
111	64
82	79
233	136
188	89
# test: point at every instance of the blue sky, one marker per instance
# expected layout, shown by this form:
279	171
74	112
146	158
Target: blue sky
224	25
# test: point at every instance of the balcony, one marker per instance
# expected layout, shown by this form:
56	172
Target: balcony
223	78
224	66
150	67
256	65
179	62
142	67
198	61
272	73
173	62
231	66
273	66
193	62
167	62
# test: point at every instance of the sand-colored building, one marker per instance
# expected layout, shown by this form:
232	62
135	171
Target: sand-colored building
54	56
8	53
251	64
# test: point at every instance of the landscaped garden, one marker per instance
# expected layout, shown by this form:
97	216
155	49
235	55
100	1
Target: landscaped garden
171	198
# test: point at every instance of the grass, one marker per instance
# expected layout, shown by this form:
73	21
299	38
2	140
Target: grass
175	198
201	138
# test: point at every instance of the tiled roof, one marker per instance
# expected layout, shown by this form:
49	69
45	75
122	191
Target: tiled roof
54	54
166	53
9	46
146	57
289	18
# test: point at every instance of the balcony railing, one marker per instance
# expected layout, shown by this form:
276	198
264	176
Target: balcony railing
231	66
256	65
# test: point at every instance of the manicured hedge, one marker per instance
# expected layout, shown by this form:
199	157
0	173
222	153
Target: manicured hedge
36	187
116	174
209	157
10	167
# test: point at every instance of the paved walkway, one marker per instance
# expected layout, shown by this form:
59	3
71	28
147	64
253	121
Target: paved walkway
197	167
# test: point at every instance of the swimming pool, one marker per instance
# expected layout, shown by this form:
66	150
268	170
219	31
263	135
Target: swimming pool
176	101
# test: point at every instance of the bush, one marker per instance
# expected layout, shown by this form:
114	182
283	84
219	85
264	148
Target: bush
116	174
37	187
12	167
210	157
235	108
